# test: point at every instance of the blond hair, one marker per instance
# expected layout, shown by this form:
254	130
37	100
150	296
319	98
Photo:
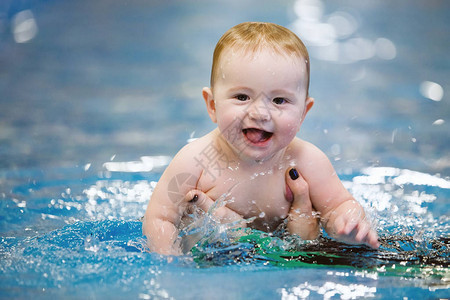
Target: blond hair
252	36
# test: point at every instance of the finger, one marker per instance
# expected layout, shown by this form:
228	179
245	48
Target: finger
339	225
192	196
302	222
296	182
200	199
350	226
373	240
297	190
362	233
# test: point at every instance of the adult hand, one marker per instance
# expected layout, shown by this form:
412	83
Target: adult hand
221	214
303	220
204	202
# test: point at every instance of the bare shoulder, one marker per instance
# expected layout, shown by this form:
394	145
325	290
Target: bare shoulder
180	176
306	153
313	164
185	159
185	166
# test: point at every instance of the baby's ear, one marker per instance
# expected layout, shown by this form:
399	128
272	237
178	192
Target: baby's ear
309	102
210	104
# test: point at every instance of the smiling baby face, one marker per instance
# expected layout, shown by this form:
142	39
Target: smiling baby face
259	100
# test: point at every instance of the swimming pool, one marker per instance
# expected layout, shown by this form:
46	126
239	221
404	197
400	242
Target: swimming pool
97	97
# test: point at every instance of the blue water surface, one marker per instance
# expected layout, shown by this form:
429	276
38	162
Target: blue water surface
87	243
97	96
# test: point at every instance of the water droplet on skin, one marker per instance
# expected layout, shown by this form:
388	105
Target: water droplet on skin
262	215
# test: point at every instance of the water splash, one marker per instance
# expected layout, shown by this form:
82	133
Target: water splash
414	243
205	228
100	239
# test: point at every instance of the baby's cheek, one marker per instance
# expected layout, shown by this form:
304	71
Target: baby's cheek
230	133
292	129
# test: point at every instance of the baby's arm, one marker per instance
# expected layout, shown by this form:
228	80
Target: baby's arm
168	204
342	216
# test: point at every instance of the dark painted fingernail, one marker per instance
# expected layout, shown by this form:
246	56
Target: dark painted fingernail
194	199
293	174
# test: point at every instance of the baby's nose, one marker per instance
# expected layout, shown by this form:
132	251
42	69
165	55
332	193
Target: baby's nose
259	113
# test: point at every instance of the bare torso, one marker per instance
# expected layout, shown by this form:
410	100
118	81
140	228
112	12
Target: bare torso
253	190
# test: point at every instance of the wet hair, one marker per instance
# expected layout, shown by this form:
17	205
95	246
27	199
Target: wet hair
253	36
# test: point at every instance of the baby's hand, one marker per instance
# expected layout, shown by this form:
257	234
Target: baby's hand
302	219
349	224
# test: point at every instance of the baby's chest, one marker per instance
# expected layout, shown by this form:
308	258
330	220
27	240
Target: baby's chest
256	195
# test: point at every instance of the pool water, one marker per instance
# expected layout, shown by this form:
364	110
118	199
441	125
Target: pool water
97	97
87	243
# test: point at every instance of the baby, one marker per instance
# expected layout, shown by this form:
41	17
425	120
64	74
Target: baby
259	99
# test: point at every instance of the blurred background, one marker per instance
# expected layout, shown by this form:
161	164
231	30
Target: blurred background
86	82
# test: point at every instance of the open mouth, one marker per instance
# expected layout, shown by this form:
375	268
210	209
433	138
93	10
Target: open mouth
257	136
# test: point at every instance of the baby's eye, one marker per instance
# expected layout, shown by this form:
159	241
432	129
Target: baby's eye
242	97
279	100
